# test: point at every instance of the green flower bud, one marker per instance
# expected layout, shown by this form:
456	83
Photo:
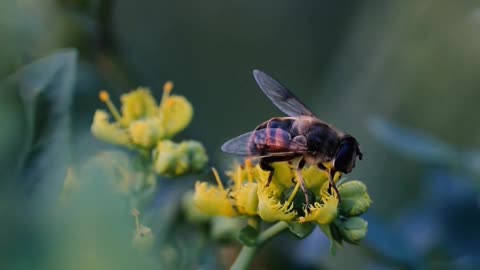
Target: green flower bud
355	199
197	155
137	104
353	229
171	159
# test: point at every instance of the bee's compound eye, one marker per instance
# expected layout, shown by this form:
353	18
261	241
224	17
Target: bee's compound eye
345	157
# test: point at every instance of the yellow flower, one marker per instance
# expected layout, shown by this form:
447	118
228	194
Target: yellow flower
323	213
271	209
175	113
314	178
192	213
246	198
145	133
112	133
213	200
137	104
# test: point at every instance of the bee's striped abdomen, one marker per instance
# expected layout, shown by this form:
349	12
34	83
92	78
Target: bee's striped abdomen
273	136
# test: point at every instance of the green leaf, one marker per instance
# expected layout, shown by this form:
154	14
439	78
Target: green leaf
45	89
411	143
327	230
301	230
248	236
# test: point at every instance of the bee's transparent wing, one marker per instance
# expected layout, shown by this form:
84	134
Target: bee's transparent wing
280	96
239	145
273	145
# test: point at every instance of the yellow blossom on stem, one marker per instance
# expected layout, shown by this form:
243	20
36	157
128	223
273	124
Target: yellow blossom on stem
109	132
322	213
271	209
145	133
246	198
137	104
213	200
175	114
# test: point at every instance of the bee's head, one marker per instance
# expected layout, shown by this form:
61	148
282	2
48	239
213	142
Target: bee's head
346	155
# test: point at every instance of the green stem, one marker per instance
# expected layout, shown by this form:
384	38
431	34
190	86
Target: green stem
245	258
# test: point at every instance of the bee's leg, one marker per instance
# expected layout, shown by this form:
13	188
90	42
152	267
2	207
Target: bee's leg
331	184
266	166
299	176
321	167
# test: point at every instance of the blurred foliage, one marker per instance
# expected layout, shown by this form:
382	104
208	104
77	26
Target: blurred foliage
411	64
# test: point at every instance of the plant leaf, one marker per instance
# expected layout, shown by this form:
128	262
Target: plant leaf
327	230
45	88
411	143
301	230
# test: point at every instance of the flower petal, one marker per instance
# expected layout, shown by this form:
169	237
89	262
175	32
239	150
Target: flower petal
212	200
112	133
270	208
322	213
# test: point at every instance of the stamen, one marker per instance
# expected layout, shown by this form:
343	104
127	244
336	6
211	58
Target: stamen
105	98
294	193
167	89
136	213
217	178
238	179
249	166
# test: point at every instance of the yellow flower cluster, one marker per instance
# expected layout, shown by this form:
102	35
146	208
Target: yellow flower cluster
142	123
281	200
147	126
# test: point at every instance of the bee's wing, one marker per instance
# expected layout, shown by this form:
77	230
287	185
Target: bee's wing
280	96
243	146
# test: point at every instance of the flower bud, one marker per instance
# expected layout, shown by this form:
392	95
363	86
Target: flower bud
353	229
213	201
197	155
171	159
355	199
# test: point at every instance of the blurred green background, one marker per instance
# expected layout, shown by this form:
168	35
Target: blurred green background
401	76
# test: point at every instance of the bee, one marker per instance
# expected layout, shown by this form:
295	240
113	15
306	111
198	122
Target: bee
300	138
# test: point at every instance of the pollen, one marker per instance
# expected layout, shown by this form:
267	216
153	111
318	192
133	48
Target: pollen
168	87
104	97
